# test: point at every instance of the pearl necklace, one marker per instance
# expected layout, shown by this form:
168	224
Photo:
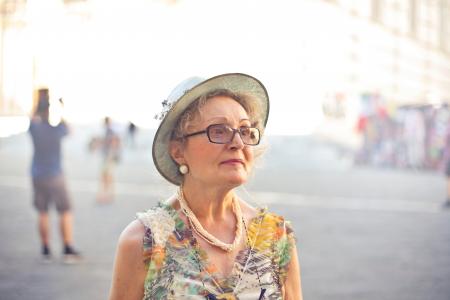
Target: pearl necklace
205	235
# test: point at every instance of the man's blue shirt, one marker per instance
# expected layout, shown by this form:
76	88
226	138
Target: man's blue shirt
47	148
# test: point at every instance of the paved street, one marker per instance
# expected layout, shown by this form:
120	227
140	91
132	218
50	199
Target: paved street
362	233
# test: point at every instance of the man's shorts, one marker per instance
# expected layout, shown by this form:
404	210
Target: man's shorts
48	190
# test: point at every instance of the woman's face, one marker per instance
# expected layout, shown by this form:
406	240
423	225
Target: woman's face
218	164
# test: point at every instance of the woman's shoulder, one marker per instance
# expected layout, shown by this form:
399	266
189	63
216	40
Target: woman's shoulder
160	213
159	220
275	217
131	237
263	212
271	221
262	215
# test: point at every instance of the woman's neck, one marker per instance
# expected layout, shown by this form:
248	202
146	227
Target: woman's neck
208	203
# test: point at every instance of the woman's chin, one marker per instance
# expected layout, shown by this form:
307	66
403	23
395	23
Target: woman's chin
236	180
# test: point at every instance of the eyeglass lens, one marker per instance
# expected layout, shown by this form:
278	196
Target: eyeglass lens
220	133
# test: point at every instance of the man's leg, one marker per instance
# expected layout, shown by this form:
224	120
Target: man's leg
41	200
66	223
66	227
109	186
63	206
106	192
44	228
44	233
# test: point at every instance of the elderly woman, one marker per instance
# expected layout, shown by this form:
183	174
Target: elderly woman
205	242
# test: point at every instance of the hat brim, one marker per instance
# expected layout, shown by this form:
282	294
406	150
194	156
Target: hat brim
235	82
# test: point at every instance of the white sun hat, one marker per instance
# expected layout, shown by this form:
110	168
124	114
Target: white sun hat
182	96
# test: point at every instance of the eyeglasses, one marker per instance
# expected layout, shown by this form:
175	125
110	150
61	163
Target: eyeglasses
224	134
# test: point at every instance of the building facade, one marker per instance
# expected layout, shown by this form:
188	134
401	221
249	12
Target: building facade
398	50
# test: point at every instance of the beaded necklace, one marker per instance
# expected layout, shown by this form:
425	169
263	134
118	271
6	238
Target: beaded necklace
205	235
197	227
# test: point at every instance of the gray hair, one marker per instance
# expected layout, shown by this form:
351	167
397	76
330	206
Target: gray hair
193	110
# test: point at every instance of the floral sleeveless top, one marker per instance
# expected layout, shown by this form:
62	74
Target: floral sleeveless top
179	269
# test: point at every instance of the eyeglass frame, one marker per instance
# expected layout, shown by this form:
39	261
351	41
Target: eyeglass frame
238	130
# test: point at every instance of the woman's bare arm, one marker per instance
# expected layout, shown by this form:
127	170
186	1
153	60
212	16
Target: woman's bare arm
129	268
292	288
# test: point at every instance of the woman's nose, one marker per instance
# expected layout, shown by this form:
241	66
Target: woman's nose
236	141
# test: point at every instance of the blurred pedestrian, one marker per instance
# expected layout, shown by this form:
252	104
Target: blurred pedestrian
48	179
205	242
446	155
131	135
447	173
414	132
111	151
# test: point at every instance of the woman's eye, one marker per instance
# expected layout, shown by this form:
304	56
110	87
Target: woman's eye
245	131
218	131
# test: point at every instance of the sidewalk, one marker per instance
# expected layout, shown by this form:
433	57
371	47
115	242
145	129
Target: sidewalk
362	233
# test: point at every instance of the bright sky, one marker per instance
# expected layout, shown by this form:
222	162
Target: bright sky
125	59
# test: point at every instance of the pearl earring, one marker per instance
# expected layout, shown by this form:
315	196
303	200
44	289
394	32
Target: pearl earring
183	169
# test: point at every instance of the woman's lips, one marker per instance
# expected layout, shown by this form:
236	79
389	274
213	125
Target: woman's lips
232	162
